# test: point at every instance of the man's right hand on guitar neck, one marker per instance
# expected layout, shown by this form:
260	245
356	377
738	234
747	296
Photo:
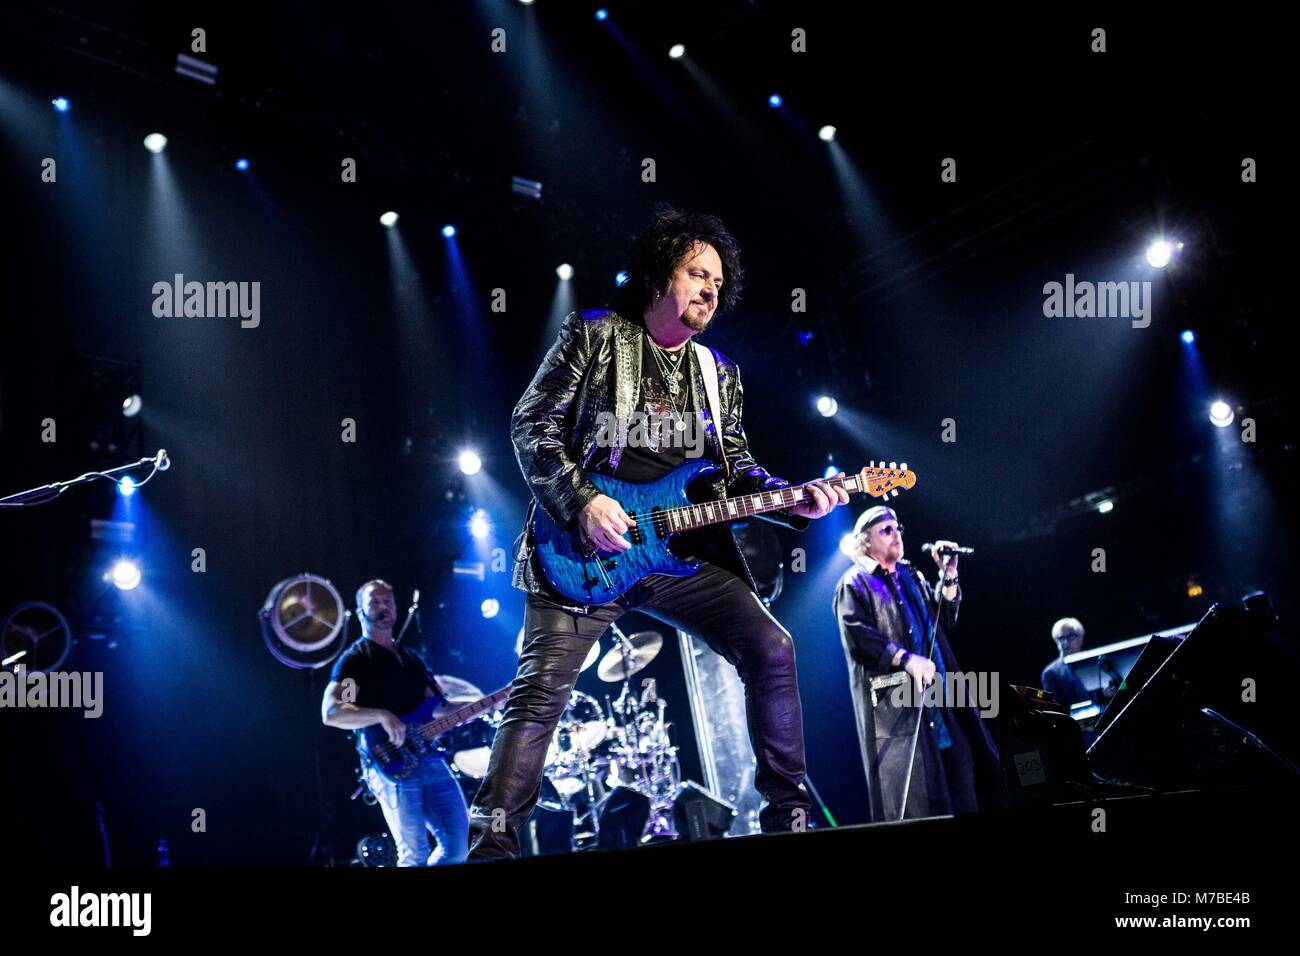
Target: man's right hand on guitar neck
604	522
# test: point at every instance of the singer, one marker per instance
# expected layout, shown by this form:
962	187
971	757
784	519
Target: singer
885	610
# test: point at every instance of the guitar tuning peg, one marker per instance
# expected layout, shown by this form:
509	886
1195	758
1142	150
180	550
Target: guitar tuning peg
903	466
872	463
893	464
894	493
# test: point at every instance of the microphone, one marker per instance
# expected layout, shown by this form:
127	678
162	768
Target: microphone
947	549
163	462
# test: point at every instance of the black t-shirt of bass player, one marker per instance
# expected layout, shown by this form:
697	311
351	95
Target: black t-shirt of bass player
383	679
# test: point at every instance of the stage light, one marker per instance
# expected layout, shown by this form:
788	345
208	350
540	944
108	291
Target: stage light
242	164
1158	253
1188	336
125	575
131	405
620	279
1221	414
602	14
831	471
826	134
775	100
848	547
60	103
677	51
470	463
155	142
126	487
478	525
1105	506
388	219
490	607
564	271
827	406
448	231
527	3
805	336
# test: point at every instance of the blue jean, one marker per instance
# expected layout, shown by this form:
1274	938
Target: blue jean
430	799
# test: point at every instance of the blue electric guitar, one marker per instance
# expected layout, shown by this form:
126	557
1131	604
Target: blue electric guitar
577	570
424	725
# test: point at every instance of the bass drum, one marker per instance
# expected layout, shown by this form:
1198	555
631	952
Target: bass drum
470	746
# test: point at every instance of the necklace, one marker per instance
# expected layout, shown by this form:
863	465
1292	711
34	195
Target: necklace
669	370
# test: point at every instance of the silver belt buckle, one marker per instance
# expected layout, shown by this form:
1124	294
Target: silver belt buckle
888	680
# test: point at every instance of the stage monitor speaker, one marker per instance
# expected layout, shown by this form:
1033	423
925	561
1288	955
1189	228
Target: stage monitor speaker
698	814
624	814
1220	709
1041	747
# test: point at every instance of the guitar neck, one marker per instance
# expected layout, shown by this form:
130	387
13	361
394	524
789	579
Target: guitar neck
446	722
687	517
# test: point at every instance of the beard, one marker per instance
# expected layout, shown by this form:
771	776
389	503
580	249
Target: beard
693	321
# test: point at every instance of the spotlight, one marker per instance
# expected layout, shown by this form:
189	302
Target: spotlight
827	406
490	607
775	100
126	487
155	142
620	279
848	547
388	219
831	471
125	575
448	231
826	134
60	103
242	164
1188	336
1105	506
527	3
805	336
1158	253
131	405
470	463
478	525
564	271
602	14
1221	414
677	51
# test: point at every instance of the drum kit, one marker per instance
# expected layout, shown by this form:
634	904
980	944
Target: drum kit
626	743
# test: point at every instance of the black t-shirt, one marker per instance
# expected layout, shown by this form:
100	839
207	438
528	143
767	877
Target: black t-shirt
655	444
383	679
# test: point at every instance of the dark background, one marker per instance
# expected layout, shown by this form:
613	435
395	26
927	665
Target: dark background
924	303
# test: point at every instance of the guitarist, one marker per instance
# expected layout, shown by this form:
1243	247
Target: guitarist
637	359
372	683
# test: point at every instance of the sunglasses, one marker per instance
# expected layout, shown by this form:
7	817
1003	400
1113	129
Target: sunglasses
889	529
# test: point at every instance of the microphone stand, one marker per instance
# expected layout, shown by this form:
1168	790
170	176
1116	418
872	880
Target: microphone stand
39	496
410	612
920	710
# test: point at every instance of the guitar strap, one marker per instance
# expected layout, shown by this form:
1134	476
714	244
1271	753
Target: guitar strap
709	369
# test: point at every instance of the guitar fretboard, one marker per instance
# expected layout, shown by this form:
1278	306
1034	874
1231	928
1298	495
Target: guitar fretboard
686	517
436	728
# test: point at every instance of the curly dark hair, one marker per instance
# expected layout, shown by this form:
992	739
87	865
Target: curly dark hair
657	252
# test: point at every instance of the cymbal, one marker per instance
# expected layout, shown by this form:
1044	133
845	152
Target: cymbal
591	656
458	691
646	645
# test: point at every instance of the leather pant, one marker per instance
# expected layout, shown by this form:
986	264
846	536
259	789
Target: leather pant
712	603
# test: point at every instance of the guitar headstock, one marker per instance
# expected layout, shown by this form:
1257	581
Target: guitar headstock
882	482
